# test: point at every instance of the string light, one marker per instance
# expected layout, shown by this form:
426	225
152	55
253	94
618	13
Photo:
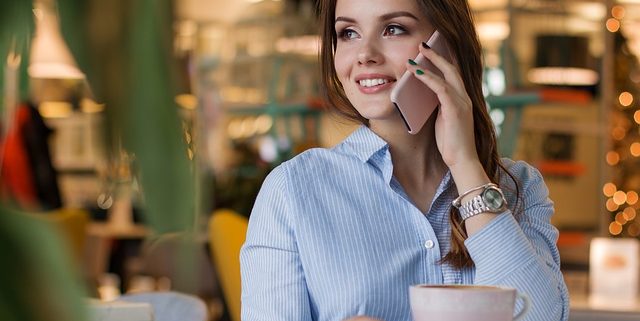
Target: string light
623	139
636	117
608	189
629	213
615	228
635	149
618	12
619	197
618	133
613	25
620	219
632	197
613	158
625	99
634	229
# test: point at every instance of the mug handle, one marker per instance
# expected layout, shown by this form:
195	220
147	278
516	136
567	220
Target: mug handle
525	307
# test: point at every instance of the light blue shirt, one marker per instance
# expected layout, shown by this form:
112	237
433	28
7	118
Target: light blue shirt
333	235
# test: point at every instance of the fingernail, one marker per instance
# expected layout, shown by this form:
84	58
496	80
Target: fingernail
424	44
419	72
411	62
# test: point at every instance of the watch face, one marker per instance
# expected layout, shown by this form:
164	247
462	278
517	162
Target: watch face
493	199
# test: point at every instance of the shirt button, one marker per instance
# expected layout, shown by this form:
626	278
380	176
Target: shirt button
428	244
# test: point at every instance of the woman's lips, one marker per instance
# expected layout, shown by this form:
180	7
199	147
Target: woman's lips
372	82
376	88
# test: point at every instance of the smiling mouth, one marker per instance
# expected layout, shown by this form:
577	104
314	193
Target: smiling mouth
373	82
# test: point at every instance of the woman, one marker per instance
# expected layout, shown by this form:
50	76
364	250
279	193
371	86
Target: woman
343	232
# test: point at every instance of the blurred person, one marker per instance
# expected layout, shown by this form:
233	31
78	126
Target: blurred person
28	179
342	233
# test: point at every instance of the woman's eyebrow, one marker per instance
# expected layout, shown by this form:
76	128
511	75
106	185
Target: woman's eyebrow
391	15
384	17
345	19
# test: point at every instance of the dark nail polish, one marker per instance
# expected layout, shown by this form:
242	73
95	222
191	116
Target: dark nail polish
419	72
411	62
424	44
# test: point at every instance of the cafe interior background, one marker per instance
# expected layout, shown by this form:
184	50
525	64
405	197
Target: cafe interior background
136	134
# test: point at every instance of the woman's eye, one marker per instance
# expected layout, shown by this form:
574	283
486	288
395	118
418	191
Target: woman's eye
347	34
394	30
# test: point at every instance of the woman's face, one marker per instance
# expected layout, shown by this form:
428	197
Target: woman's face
375	39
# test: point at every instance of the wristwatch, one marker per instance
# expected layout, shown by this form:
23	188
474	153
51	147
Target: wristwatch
490	200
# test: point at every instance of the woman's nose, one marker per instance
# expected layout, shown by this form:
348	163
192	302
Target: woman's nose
369	54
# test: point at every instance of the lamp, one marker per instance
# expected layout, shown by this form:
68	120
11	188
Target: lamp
563	60
50	57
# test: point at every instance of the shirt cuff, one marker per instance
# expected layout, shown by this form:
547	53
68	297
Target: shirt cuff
499	249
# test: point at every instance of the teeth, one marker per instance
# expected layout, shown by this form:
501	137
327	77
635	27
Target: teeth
372	82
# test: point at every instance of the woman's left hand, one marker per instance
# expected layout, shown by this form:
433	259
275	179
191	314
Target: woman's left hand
454	123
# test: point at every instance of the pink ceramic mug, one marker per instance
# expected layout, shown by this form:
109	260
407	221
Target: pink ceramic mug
465	302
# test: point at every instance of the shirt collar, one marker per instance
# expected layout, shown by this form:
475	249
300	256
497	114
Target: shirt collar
365	143
447	182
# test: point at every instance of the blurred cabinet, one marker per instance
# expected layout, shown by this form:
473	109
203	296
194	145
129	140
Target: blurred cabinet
564	142
256	81
78	150
265	73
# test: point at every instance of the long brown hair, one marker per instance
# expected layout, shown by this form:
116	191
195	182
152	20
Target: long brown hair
454	20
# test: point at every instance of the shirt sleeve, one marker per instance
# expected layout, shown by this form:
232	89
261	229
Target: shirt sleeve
273	283
522	253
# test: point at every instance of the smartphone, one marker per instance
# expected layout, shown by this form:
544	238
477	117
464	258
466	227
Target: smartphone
414	100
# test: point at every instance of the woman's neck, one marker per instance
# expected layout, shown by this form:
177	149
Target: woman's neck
416	158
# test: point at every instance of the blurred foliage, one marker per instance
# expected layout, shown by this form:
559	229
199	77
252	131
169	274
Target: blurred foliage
37	279
124	47
16	27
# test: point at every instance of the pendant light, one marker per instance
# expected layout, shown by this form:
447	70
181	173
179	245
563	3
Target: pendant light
50	55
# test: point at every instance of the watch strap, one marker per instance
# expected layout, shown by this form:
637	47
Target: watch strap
478	205
457	202
473	207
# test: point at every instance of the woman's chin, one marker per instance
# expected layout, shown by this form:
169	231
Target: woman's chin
379	113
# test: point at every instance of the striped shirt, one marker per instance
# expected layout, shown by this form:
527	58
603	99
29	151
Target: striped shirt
333	235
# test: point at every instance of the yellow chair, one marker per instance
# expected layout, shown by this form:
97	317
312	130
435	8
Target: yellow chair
71	225
227	231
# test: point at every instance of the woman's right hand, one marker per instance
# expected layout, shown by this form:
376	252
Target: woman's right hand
362	318
454	124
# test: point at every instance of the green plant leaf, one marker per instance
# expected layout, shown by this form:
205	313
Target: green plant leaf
38	283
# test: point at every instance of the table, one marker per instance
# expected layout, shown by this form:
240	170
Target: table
120	311
99	249
585	308
116	231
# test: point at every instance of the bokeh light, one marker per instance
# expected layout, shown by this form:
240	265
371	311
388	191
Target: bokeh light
611	205
609	188
629	213
625	99
613	24
618	12
632	197
620	218
613	158
618	133
620	197
635	149
615	228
